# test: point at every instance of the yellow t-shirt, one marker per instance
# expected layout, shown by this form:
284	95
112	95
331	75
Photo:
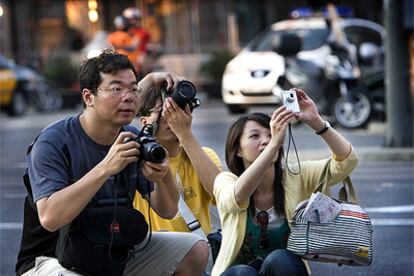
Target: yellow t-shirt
196	198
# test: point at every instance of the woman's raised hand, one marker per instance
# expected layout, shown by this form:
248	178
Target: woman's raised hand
308	110
278	124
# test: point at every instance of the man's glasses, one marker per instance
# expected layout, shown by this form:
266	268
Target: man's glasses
263	220
121	90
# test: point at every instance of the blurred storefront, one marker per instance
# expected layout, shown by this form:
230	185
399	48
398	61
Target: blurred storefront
186	30
34	27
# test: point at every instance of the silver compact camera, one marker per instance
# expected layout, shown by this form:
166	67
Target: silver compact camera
290	100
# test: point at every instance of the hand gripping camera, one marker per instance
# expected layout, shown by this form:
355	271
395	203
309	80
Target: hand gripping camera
183	94
150	150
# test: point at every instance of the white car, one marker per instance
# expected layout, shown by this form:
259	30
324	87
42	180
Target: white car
251	76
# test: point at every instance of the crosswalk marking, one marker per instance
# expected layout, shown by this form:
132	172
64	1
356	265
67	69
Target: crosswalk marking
393	222
391	209
11	226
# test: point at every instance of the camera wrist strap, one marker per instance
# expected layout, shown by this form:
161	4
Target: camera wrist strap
290	138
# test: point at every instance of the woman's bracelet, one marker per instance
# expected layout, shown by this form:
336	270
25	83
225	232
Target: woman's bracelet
324	129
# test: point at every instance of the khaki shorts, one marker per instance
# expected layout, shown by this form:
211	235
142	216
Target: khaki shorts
161	257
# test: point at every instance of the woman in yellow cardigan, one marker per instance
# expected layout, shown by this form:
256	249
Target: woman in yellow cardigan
259	195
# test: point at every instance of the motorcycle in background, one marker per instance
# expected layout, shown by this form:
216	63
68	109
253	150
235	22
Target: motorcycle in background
365	101
341	95
323	84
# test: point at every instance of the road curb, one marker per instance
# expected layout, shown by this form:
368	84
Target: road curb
366	154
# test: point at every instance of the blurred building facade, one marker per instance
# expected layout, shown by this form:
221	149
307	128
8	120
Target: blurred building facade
187	30
181	26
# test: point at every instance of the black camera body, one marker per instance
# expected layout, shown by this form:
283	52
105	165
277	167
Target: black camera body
184	93
150	150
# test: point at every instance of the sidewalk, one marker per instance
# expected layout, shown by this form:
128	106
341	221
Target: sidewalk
370	154
368	143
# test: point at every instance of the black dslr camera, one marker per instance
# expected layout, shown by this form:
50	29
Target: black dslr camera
183	94
150	150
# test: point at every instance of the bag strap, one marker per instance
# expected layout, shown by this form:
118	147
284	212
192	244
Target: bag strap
351	195
344	194
192	222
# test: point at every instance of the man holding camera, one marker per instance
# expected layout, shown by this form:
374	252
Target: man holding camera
194	167
84	161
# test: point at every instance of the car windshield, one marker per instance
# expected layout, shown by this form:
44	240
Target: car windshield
359	34
311	39
5	62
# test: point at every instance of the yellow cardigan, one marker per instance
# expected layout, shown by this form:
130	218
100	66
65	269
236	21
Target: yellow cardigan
297	188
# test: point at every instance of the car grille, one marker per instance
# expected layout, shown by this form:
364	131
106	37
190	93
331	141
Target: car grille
255	94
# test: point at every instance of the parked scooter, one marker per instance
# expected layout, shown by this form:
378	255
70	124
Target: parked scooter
365	101
336	88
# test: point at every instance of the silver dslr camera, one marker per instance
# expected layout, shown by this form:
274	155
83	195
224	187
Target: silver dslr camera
290	100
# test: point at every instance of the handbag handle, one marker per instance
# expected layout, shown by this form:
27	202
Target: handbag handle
343	194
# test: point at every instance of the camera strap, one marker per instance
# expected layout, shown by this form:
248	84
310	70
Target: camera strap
192	222
154	125
114	222
164	95
290	138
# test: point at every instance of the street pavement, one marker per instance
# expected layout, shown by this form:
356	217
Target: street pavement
369	143
384	181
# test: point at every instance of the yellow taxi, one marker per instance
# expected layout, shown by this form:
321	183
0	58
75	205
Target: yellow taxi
16	84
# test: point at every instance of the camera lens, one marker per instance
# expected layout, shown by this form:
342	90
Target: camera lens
186	89
150	149
157	154
291	98
184	93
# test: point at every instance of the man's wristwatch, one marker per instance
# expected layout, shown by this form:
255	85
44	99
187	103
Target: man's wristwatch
324	129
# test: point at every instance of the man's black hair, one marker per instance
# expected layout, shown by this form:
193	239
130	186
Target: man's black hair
108	62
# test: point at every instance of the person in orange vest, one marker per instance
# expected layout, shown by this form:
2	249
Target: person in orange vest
124	41
142	36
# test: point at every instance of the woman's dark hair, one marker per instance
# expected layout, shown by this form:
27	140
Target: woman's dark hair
108	62
148	101
235	163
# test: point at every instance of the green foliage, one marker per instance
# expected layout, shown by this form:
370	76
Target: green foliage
61	71
214	67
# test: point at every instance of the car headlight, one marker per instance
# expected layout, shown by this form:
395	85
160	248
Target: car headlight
94	53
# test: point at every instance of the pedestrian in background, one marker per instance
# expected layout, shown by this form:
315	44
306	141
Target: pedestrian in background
124	40
142	36
258	196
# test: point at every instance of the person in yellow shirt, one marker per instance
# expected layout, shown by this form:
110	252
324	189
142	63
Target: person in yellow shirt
194	167
257	198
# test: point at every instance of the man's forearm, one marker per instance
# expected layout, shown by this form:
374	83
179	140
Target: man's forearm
205	168
63	206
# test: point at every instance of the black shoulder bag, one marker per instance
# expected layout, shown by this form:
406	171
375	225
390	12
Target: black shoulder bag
101	240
